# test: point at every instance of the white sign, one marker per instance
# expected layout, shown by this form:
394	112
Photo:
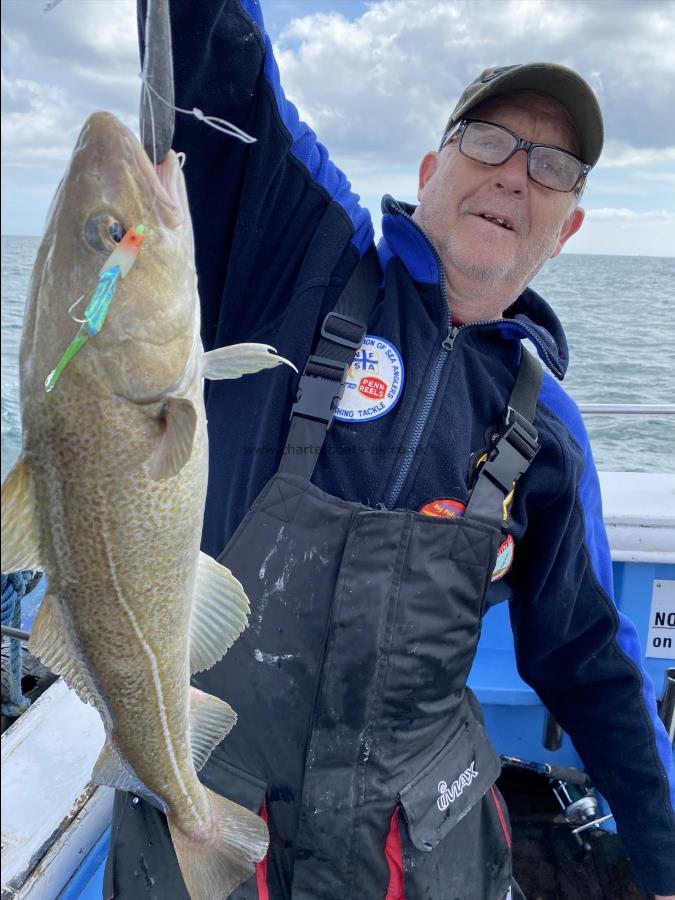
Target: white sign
661	634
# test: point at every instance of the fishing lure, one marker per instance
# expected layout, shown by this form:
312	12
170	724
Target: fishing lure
115	267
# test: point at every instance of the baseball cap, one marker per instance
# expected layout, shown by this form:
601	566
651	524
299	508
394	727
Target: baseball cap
559	82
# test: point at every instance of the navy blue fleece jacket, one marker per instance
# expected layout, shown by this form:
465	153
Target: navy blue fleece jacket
278	232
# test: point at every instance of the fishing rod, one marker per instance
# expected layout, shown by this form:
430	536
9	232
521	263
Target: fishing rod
9	632
573	790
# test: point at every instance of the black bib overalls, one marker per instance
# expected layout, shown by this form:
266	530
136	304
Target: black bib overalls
355	723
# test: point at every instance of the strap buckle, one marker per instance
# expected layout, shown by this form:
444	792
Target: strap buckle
522	433
318	397
330	335
513	452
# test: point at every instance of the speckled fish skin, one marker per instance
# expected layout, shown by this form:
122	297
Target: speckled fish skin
120	545
121	549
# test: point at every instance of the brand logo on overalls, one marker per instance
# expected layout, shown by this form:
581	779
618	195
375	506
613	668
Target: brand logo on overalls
448	795
374	381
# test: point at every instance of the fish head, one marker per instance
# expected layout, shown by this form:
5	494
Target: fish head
146	347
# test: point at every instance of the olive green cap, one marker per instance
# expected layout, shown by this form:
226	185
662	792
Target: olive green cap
559	82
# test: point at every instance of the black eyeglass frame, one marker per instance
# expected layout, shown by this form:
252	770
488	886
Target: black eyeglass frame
521	144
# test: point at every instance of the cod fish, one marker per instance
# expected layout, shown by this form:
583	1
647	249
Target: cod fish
108	497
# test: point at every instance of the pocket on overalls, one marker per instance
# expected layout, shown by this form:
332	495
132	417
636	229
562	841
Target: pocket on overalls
456	839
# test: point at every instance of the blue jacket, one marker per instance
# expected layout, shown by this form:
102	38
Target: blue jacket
277	233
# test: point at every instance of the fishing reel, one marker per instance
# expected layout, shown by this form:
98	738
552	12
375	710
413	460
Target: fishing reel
573	791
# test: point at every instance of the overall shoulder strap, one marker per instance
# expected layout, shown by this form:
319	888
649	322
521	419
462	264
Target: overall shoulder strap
513	451
322	382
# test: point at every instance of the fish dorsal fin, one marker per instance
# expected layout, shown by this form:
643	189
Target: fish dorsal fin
210	720
175	447
113	770
240	359
20	526
219	613
51	643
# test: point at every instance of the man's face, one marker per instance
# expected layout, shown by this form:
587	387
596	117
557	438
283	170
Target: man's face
456	193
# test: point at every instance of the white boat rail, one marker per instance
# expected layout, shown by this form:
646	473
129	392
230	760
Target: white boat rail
627	409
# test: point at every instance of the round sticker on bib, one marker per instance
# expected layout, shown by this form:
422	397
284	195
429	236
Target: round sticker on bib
374	382
448	508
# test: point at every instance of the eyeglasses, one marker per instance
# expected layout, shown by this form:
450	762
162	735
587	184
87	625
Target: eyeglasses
493	145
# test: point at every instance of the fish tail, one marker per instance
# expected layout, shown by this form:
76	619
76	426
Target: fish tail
212	869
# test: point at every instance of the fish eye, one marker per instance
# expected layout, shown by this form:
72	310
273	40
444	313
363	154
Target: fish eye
116	231
103	231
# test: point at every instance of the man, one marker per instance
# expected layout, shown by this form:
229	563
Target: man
370	553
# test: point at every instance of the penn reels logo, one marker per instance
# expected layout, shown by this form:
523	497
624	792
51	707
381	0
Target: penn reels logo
374	382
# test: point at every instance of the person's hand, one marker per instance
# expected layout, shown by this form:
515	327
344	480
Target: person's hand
663	897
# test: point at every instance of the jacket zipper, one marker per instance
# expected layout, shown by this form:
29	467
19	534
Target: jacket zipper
531	333
444	352
435	377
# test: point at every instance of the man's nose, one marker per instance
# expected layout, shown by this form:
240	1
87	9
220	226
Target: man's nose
512	175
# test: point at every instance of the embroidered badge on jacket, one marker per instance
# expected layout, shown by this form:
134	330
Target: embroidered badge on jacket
374	382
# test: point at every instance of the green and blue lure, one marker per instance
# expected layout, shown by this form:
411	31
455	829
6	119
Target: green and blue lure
115	267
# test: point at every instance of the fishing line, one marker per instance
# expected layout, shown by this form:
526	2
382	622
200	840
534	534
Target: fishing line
147	97
216	122
219	124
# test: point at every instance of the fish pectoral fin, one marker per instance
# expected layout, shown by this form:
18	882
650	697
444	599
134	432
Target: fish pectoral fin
113	770
175	447
53	646
240	359
210	720
20	527
219	613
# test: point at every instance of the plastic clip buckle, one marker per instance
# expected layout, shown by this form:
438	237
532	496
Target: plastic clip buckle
318	397
522	434
512	454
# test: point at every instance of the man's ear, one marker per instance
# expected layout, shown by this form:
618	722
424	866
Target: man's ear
428	166
570	227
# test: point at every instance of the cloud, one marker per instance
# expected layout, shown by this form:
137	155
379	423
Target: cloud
618	156
388	79
58	68
652	215
376	80
626	232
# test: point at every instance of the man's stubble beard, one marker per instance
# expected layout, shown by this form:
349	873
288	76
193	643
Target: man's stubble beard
519	269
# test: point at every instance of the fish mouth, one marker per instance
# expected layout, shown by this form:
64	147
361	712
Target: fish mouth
163	182
125	160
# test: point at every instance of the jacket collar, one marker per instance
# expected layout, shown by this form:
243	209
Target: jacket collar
529	317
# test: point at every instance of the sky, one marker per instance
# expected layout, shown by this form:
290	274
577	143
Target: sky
377	81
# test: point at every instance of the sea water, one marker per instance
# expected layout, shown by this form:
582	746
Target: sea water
619	317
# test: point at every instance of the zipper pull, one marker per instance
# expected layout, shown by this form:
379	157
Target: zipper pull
449	342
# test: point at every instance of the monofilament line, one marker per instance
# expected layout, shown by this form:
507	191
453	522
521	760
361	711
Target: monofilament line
214	121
